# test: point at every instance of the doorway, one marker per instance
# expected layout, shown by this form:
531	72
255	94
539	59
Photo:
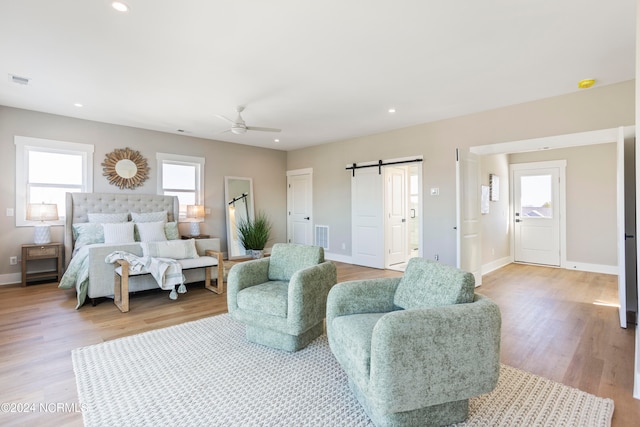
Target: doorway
537	191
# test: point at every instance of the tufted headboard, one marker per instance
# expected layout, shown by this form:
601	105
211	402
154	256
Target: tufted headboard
79	204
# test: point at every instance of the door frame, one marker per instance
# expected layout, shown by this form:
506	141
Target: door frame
562	197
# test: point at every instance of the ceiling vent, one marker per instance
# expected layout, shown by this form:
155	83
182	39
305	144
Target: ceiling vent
19	80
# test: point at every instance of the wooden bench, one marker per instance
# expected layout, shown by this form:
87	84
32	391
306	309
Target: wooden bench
121	276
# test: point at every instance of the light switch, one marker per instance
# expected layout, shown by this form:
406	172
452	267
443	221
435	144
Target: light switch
9	211
435	191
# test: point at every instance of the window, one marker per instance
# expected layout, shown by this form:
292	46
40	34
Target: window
181	176
46	170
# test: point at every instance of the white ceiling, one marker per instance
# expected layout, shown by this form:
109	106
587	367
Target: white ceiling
320	70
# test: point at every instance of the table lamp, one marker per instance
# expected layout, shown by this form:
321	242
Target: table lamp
42	212
196	215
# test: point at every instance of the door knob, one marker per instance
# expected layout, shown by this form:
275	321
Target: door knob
307	218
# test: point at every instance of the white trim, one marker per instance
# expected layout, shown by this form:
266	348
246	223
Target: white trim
602	136
338	257
496	264
187	160
10	279
305	171
26	143
592	268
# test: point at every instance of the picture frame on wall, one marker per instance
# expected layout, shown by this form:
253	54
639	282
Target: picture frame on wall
494	187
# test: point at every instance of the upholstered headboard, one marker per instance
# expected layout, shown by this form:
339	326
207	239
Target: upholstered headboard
78	205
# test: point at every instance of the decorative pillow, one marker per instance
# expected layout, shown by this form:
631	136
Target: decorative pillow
86	233
427	284
151	231
103	217
175	249
149	216
171	231
121	232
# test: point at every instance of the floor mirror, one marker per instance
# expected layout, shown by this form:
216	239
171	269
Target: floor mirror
238	193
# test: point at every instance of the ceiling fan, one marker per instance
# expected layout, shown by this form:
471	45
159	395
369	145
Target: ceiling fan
238	126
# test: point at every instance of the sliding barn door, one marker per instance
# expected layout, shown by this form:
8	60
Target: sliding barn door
367	222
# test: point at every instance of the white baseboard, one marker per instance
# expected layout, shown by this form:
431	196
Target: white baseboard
592	268
496	264
10	279
337	257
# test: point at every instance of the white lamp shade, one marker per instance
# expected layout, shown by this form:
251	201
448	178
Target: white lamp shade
196	212
42	212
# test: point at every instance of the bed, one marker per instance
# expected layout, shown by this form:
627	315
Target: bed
85	253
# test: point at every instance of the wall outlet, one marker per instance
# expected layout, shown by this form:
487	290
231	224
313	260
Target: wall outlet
13	260
344	246
436	257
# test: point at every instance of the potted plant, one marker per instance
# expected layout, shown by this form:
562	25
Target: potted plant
254	234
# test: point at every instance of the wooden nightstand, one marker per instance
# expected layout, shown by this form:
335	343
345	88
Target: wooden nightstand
36	252
201	236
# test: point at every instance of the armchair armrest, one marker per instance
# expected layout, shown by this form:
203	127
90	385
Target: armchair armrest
438	355
362	296
244	275
307	298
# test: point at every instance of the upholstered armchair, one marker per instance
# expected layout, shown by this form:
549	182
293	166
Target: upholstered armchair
415	348
282	298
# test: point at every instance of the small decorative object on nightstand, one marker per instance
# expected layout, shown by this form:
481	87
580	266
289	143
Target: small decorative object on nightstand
37	252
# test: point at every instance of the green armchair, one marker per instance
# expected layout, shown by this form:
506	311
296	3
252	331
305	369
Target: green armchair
282	299
416	348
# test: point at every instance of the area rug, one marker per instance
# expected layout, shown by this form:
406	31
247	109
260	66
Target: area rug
204	373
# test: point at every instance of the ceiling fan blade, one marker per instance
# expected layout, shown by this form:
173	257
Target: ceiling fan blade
263	129
225	118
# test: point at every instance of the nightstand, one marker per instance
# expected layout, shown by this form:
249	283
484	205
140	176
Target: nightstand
37	252
201	236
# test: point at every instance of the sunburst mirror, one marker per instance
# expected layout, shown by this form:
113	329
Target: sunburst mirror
125	168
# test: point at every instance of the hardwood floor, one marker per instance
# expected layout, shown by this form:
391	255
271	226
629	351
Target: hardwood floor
556	323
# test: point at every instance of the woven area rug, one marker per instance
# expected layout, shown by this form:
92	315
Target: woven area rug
204	373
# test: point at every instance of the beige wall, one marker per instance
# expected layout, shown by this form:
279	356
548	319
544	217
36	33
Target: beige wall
593	109
591	200
266	167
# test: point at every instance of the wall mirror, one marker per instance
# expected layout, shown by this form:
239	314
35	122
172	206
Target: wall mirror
238	192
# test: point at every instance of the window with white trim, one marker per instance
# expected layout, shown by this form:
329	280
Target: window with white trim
46	170
181	176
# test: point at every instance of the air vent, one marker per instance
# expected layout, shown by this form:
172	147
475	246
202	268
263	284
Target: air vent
322	236
18	80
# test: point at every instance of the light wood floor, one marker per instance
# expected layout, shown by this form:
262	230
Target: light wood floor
556	323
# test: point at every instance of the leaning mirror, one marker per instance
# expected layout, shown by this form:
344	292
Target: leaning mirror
238	193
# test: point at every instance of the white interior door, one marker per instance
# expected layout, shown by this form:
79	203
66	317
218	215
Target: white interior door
299	207
469	255
396	215
536	200
367	221
621	229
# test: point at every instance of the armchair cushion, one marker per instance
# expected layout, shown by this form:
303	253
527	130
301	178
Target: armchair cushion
355	333
267	298
288	258
428	284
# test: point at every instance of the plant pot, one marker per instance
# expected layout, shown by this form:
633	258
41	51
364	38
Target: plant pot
257	253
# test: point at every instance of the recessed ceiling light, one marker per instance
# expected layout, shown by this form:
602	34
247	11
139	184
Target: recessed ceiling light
391	110
276	140
119	6
77	104
586	83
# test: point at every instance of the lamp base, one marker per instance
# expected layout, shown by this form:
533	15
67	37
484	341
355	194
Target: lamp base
42	234
195	228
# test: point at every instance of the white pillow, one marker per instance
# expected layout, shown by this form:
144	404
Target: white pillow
149	216
102	217
151	231
121	232
175	249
